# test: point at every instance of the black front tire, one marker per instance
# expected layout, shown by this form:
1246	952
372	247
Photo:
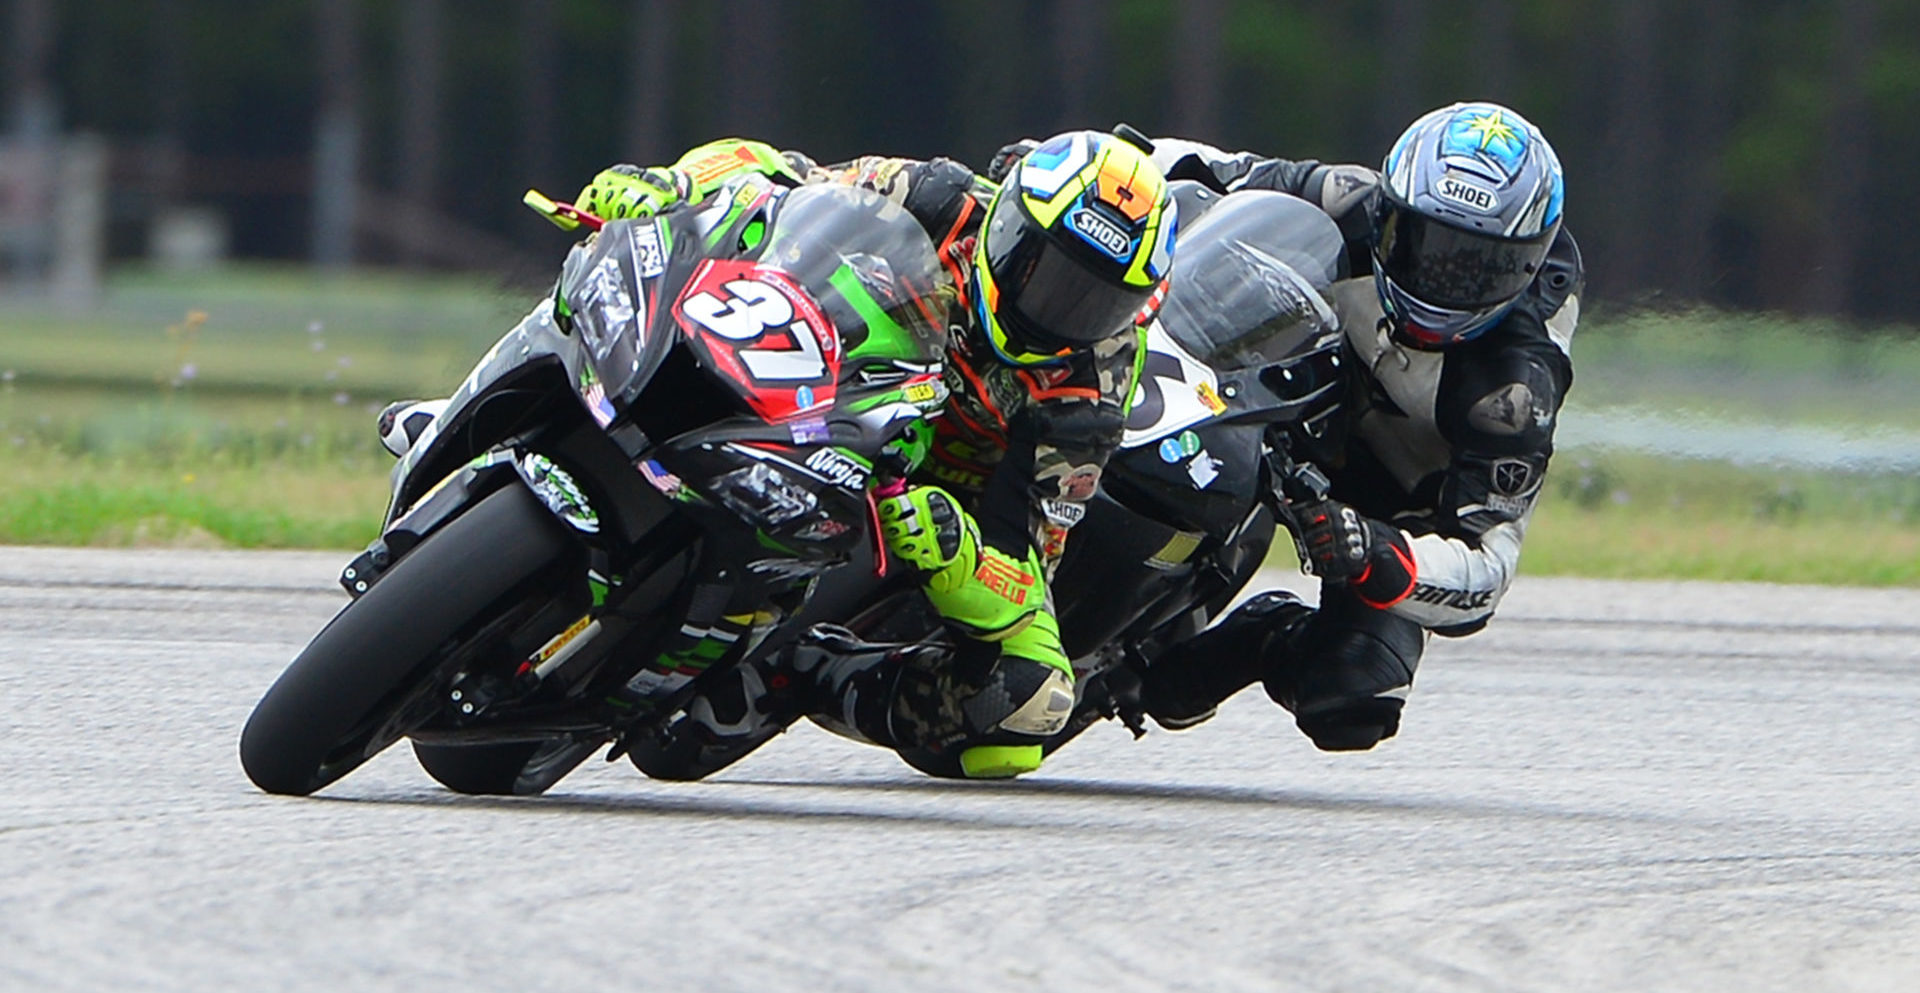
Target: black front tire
334	706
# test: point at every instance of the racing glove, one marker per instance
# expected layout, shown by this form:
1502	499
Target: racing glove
988	594
1003	160
629	191
1342	546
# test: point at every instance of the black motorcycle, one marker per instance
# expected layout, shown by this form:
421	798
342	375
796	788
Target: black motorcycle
637	485
1238	397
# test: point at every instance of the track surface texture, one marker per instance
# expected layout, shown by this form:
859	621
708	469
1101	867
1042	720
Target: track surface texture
1618	786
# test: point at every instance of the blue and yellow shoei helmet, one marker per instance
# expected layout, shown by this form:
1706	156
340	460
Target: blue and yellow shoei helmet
1469	206
1074	244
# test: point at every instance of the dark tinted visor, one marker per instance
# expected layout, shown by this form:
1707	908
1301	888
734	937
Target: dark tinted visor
1049	298
1451	267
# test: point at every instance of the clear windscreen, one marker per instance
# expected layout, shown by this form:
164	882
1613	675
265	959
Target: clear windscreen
1247	285
869	265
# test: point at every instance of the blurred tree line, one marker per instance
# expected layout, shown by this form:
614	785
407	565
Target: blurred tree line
1752	154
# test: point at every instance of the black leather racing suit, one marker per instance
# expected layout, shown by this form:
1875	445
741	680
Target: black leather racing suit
1451	447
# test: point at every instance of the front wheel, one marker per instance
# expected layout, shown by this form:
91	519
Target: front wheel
348	695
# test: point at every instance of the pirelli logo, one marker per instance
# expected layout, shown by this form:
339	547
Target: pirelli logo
1008	583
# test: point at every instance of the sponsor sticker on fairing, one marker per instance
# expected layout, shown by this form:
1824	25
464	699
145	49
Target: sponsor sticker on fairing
837	468
809	431
649	256
1203	470
928	394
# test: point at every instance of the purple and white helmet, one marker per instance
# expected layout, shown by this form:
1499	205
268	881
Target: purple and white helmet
1470	203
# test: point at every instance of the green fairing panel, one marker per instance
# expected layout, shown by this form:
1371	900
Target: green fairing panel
873	268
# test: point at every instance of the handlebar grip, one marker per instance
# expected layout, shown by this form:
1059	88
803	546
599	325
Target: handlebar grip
1303	481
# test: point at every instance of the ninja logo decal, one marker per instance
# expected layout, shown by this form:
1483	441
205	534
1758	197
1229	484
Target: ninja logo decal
838	469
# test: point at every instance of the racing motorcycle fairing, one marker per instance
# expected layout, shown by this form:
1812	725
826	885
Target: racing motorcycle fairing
704	398
822	310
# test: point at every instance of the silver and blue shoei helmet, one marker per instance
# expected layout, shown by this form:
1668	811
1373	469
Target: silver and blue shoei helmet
1470	203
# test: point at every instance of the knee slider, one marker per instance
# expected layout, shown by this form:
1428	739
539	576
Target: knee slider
1022	697
1352	727
1000	761
1349	688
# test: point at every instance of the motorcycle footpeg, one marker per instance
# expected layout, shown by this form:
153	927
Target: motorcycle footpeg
1122	687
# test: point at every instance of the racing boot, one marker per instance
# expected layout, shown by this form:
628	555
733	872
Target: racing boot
975	711
1350	677
1186	684
404	421
828	672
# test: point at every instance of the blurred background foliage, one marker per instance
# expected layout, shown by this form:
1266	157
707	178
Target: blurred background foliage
1744	153
1737	176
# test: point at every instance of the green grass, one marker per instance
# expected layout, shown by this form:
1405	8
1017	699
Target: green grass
1645	518
262	330
1758	367
54	498
252	426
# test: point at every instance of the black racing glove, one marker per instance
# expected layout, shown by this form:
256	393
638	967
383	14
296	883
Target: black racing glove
1003	160
1342	546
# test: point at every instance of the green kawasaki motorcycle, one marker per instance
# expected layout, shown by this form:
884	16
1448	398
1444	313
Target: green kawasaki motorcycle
637	485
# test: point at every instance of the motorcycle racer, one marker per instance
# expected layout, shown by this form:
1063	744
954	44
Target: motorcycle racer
1056	263
1458	326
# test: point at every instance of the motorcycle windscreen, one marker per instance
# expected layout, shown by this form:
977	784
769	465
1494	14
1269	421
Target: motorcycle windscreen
840	274
870	266
1239	298
608	289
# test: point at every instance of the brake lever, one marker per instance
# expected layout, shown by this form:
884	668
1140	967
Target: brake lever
1293	483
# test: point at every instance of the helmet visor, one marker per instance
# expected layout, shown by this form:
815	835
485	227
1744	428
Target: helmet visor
1049	299
1451	267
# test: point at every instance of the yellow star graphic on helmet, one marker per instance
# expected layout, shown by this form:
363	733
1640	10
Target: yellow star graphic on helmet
1491	127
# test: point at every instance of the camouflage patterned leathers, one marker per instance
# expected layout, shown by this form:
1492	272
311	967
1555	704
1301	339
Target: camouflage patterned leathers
1023	447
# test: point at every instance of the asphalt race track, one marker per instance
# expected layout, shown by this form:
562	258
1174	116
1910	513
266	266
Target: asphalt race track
1619	786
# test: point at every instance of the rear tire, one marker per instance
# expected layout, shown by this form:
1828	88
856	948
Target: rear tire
331	710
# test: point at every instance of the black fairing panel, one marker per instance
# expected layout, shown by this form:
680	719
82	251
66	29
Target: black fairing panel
1147	482
1105	580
